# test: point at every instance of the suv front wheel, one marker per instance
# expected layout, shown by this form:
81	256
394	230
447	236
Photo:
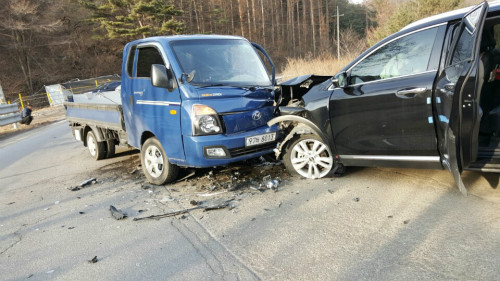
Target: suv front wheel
308	156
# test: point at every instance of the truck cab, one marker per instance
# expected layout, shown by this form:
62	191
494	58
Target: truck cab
196	101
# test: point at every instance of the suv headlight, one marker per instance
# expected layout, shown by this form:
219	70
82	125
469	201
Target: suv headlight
206	120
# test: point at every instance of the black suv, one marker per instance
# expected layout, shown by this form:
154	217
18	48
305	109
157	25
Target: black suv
425	97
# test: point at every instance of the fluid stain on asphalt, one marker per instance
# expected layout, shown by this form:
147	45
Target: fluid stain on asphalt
255	174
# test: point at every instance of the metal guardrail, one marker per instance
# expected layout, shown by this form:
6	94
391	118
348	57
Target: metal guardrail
9	113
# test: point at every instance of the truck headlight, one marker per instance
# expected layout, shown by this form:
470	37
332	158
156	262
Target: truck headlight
206	120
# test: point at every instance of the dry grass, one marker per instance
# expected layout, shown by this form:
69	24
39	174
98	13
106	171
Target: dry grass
325	64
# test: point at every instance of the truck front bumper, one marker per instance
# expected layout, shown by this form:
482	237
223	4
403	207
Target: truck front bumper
232	145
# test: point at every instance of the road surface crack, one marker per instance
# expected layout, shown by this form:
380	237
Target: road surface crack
19	239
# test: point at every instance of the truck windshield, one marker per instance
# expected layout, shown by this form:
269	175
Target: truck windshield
232	62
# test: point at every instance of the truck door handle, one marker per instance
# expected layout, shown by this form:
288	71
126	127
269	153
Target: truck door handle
410	92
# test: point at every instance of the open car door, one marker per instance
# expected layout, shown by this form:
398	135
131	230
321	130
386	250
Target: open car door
457	95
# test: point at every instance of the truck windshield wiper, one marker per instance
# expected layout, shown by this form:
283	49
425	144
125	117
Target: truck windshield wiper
211	85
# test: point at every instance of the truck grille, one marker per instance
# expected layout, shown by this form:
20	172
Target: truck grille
248	150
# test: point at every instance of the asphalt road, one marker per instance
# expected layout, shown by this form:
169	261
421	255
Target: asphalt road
371	224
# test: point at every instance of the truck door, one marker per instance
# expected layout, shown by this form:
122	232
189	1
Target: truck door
155	110
457	95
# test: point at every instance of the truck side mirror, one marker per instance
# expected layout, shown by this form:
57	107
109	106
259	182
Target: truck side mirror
163	78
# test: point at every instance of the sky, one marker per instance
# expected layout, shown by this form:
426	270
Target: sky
356	1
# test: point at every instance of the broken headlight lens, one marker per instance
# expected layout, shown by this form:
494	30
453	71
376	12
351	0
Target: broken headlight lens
206	120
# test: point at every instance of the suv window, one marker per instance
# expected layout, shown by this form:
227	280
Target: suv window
147	57
404	56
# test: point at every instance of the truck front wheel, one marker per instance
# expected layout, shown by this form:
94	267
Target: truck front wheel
155	164
96	148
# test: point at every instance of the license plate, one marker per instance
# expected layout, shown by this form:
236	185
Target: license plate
260	139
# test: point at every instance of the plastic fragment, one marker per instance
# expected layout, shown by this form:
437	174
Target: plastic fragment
87	182
82	184
272	184
117	214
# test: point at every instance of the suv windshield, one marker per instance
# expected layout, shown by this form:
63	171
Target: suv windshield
231	62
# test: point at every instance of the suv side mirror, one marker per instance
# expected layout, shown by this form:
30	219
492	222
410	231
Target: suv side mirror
163	78
342	80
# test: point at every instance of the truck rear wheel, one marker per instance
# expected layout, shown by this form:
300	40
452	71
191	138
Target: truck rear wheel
110	148
155	164
96	148
308	156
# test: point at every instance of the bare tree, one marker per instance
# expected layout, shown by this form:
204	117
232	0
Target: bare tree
23	26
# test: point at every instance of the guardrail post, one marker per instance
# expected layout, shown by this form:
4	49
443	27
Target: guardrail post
50	100
21	100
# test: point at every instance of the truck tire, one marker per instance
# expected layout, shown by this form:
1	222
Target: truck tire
308	156
155	164
96	148
110	148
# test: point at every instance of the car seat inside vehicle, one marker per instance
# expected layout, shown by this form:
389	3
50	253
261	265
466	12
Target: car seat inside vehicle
489	83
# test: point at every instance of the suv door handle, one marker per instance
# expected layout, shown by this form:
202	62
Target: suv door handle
410	92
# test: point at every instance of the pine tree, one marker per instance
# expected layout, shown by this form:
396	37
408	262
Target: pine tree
135	18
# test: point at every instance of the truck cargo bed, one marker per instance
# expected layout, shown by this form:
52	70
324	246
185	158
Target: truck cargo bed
108	116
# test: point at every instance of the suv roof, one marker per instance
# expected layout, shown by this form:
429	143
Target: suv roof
447	16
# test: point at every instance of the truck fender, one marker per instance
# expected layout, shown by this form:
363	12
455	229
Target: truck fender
302	126
97	132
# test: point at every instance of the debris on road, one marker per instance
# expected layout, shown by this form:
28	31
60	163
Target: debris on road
147	186
271	183
406	222
187	176
117	214
88	182
210	194
135	169
207	205
83	184
93	260
356	199
255	174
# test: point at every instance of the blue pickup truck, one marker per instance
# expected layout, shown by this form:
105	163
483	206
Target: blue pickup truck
186	101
